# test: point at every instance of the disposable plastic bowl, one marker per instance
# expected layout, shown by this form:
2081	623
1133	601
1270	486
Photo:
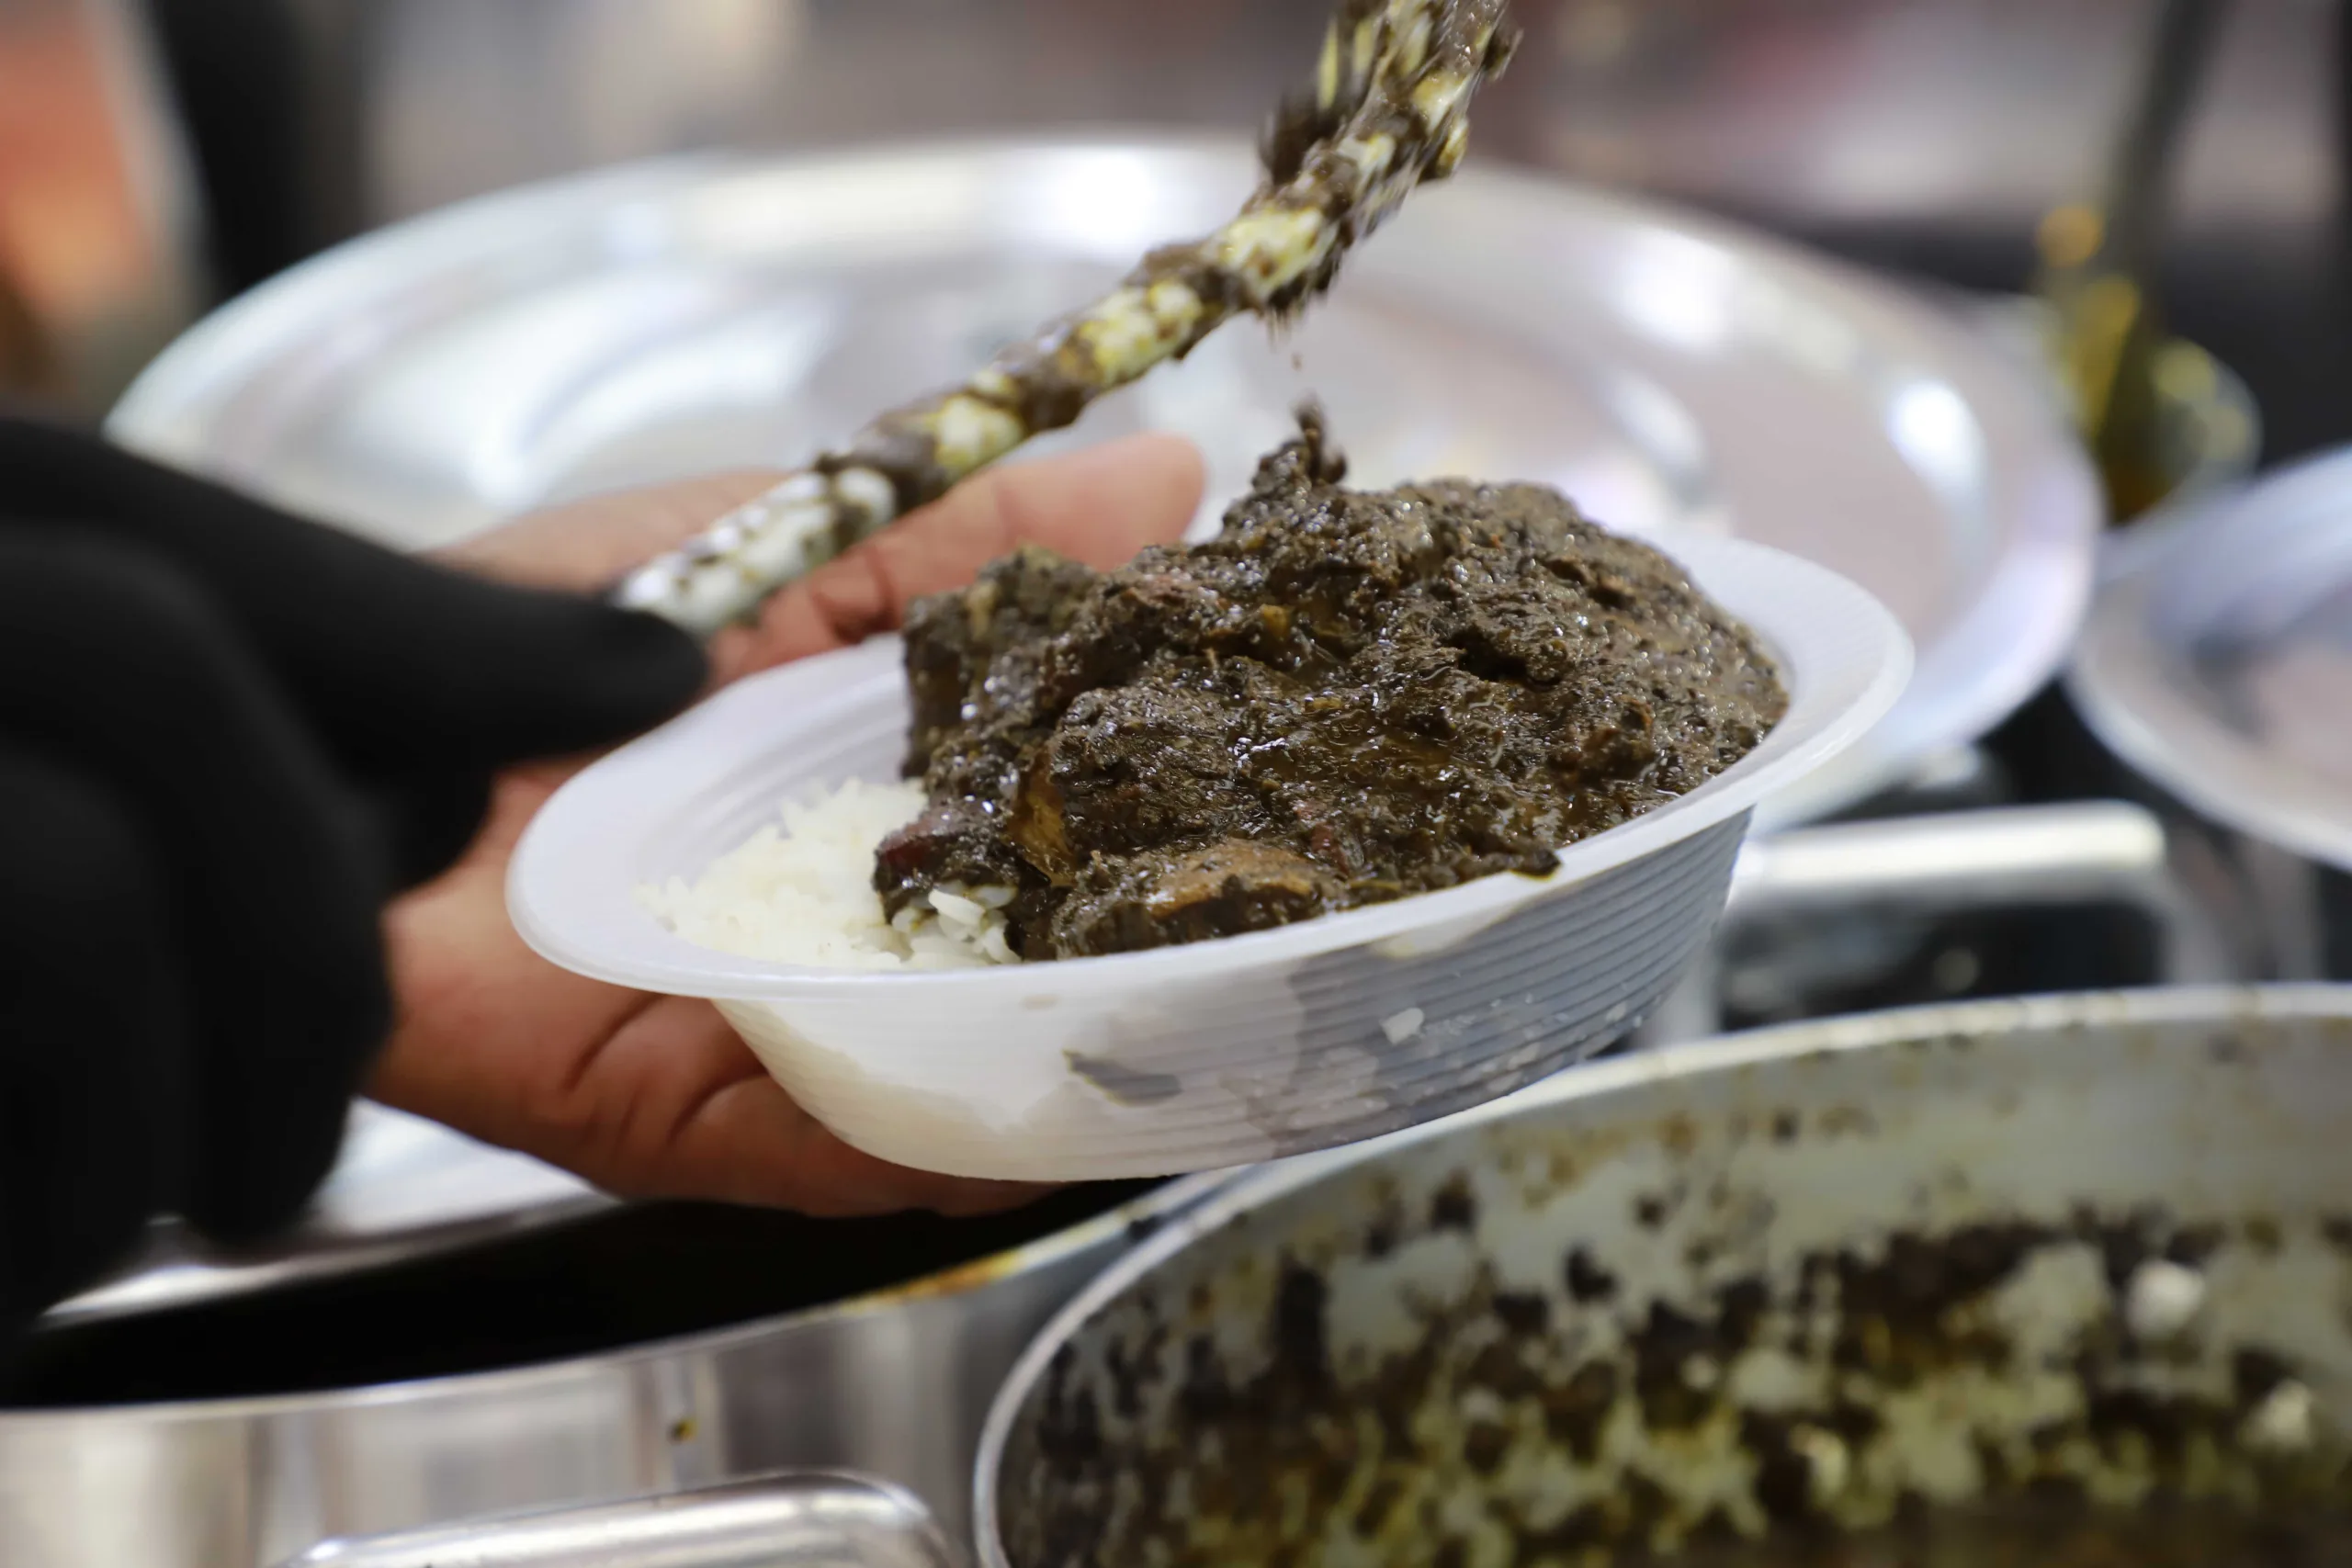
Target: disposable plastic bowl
1189	1058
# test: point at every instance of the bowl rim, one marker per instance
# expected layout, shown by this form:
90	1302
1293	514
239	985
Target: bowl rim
558	910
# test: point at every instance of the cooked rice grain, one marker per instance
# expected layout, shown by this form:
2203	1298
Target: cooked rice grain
802	892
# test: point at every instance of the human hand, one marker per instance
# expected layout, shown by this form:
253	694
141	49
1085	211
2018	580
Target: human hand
227	737
656	1096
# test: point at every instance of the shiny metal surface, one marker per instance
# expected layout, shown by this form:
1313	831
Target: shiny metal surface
404	1189
1824	891
789	1521
2218	663
890	1386
1668	371
1682	1179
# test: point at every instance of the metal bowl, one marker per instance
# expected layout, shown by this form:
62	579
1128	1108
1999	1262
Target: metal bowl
2071	1267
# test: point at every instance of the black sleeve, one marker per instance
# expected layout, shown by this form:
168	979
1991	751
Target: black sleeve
226	737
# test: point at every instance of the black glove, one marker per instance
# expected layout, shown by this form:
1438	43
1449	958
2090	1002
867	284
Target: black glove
227	736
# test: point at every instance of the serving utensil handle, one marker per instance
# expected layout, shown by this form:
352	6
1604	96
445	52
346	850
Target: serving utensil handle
1389	109
790	1519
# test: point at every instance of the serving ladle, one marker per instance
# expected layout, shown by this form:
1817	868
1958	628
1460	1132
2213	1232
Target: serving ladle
1389	108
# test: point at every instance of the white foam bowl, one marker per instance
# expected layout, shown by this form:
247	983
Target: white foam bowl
1189	1058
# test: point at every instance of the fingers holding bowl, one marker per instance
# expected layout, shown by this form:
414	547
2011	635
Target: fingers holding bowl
657	1097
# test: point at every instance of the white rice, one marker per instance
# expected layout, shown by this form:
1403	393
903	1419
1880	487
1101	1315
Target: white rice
801	891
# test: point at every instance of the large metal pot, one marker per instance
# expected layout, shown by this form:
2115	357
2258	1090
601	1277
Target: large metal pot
1873	1272
891	1385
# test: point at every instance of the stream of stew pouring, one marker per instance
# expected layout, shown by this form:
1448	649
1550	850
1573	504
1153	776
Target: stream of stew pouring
1390	108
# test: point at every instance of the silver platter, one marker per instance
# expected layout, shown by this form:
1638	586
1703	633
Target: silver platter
2217	660
1667	371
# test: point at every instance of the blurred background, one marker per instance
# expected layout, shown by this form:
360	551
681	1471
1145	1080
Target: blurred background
158	155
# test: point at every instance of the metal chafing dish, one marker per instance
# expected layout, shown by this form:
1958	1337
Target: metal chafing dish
1967	1268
